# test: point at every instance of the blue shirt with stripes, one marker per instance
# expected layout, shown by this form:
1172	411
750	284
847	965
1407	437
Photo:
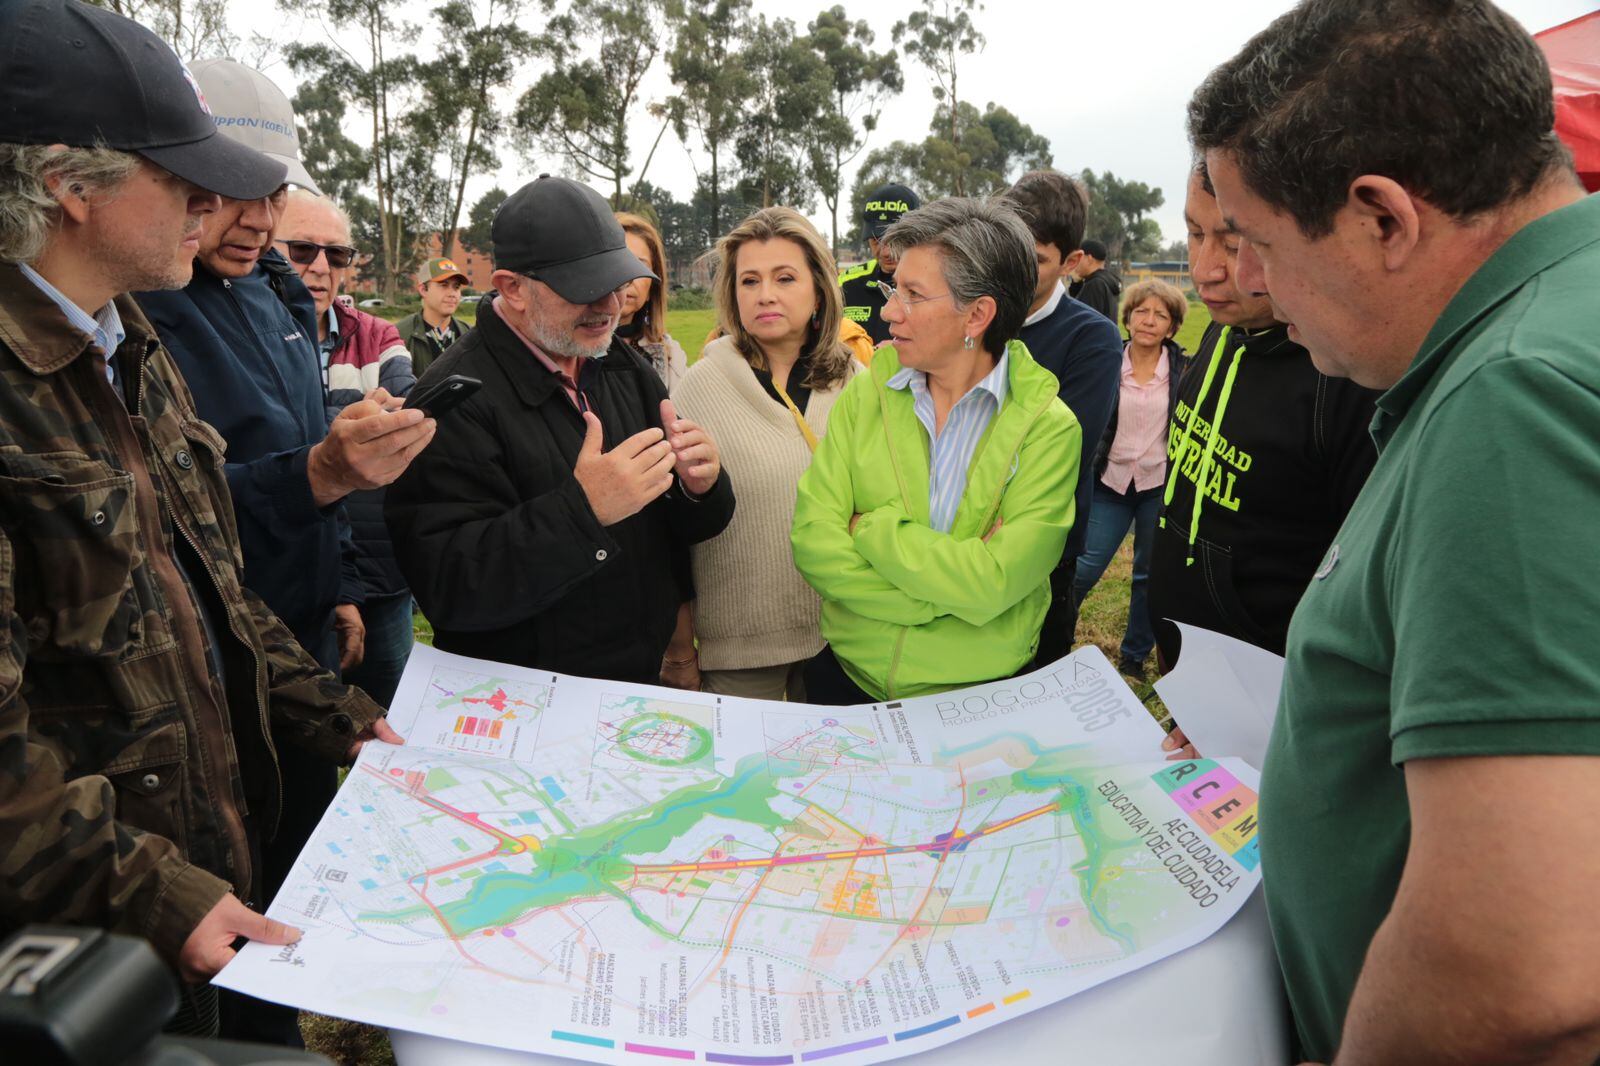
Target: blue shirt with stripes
950	452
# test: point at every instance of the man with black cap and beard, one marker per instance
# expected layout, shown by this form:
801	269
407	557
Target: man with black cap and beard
549	523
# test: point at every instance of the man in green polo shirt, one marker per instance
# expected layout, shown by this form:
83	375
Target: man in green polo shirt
1428	836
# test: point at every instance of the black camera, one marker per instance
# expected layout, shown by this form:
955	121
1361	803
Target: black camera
83	997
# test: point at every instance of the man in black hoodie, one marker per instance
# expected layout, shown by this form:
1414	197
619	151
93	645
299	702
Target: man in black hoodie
1279	449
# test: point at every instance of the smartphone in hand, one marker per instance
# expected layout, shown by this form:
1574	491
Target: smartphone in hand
438	399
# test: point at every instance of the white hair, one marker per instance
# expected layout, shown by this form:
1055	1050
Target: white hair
311	199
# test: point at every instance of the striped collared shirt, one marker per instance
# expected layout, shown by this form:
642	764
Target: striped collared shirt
950	452
104	327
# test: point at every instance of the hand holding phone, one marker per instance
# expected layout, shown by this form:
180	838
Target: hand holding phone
436	400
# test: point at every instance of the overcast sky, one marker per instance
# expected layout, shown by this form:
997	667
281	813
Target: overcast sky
1105	82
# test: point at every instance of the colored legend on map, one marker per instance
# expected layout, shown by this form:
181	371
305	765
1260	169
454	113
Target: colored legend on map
931	1027
659	1052
1218	803
579	1038
750	1060
842	1049
477	727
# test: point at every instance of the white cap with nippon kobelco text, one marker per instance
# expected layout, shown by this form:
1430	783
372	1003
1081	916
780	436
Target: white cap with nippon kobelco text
250	109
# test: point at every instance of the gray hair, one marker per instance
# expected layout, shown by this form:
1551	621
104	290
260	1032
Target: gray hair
28	209
988	251
306	196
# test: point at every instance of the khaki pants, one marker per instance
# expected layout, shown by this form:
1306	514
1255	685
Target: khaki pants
784	681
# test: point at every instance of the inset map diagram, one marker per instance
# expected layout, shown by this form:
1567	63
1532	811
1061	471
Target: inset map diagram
481	714
662	736
801	745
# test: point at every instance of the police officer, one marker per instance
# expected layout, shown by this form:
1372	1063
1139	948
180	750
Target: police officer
859	284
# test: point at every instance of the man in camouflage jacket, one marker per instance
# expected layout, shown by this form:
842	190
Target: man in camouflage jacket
138	678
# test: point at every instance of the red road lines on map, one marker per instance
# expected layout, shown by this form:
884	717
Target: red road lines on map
798	749
942	845
499	702
665	740
411	785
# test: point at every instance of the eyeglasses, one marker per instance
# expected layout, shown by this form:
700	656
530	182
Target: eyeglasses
891	293
305	253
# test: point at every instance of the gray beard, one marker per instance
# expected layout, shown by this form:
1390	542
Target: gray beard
564	344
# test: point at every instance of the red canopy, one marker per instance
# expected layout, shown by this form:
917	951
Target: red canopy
1573	49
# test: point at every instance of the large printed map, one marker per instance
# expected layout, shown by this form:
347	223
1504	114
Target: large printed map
628	874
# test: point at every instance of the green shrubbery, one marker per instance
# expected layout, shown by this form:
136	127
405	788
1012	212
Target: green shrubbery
689	298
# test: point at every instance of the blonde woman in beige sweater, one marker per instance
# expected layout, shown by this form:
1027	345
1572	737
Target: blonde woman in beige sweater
763	391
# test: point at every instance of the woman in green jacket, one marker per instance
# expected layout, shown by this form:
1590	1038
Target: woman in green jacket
940	500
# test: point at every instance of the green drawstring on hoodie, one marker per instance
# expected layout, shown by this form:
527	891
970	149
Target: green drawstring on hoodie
1211	443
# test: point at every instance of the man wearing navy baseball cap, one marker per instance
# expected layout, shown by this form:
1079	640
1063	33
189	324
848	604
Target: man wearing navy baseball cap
137	675
549	523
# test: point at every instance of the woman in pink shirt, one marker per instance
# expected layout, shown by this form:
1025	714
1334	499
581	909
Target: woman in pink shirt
1131	461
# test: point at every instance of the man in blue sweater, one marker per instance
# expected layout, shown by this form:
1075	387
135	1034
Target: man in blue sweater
1082	348
244	333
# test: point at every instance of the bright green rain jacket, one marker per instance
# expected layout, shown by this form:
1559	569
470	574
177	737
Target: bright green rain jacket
908	610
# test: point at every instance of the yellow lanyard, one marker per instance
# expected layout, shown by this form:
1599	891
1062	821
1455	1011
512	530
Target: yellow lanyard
799	419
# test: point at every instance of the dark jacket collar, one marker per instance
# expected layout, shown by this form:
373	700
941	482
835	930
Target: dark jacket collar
533	382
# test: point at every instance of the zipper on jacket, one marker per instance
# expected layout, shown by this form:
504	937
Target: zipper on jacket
231	809
260	674
894	663
899	477
283	386
993	510
900	480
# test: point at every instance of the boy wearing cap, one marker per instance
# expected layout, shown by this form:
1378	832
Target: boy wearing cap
859	285
1095	284
430	332
549	524
137	674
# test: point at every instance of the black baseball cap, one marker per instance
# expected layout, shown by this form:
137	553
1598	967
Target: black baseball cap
563	233
885	206
85	77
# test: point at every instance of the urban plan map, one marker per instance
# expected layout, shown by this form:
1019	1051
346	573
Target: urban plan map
628	874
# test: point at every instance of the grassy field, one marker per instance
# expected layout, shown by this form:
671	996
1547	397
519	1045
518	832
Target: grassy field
691	327
1100	623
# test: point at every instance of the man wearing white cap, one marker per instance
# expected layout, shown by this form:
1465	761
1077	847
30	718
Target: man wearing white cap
244	333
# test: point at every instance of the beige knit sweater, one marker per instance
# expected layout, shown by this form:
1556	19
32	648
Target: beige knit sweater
753	608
